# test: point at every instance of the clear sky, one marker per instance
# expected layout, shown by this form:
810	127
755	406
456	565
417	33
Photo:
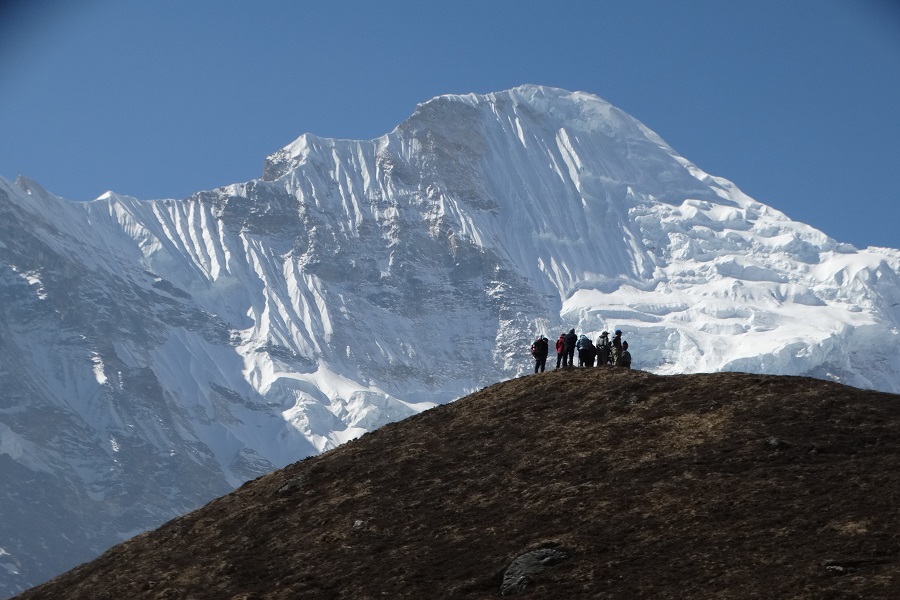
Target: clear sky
795	101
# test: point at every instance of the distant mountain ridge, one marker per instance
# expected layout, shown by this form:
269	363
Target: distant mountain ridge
156	354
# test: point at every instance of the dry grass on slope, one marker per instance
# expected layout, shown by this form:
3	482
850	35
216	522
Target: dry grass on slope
639	486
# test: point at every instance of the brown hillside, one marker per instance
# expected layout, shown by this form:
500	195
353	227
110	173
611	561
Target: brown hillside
619	484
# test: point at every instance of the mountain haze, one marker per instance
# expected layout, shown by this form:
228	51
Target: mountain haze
591	483
157	354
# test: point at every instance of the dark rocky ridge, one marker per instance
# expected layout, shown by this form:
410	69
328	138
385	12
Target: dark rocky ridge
618	484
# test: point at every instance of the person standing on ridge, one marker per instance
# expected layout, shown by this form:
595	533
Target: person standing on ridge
588	353
616	347
539	350
560	349
625	357
603	349
570	340
581	346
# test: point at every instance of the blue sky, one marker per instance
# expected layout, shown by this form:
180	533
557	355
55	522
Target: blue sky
795	101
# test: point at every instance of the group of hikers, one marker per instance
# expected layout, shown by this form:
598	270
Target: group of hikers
605	352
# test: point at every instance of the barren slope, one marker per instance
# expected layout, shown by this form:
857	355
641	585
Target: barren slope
699	486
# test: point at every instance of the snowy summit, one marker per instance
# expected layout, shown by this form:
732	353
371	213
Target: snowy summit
185	346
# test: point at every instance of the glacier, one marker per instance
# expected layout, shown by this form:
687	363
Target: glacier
157	354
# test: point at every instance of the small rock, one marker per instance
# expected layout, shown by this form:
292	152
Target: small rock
850	565
291	486
520	571
777	444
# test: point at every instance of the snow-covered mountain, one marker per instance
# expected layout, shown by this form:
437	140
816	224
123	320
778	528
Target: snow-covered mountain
156	354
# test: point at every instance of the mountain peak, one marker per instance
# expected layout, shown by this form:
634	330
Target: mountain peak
550	108
31	187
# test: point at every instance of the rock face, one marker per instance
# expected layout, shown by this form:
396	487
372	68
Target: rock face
557	485
155	355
